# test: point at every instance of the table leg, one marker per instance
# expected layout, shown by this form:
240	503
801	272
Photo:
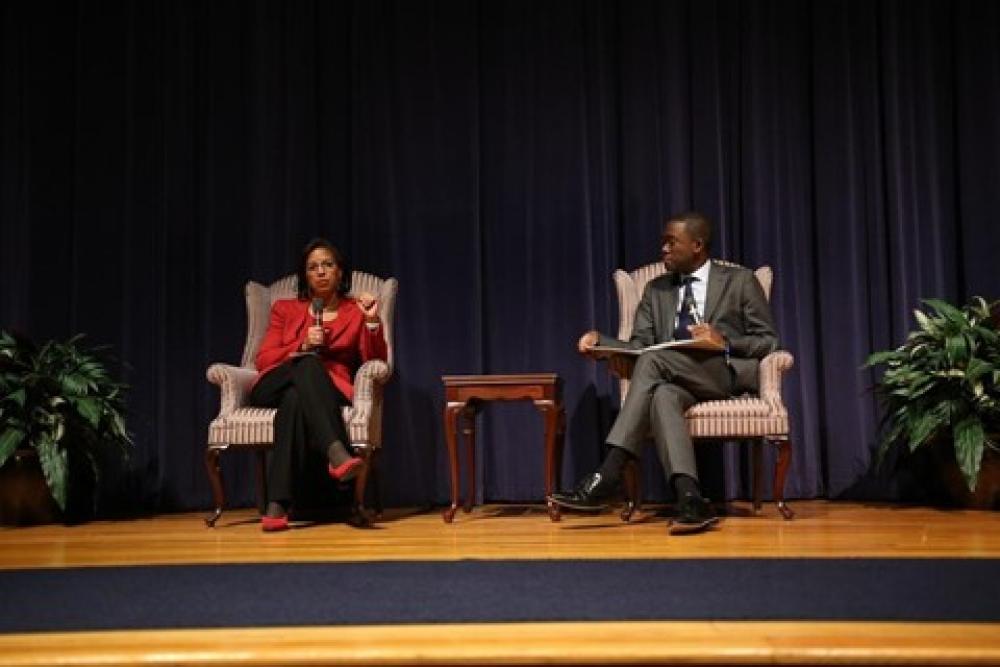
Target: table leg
560	444
451	412
469	430
550	413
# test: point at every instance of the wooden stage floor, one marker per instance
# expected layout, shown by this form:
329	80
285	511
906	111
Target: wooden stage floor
820	530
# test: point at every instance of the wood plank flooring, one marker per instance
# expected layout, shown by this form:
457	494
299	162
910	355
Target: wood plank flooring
820	530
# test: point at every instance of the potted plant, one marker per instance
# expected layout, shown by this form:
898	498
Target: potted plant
58	402
941	392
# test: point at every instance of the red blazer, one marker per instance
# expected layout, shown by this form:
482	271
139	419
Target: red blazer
349	342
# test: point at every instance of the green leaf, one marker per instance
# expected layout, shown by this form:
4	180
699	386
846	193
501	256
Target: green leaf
59	430
990	337
118	428
969	437
947	311
89	409
977	369
957	348
9	440
19	396
979	308
55	468
878	358
74	384
926	323
923	427
922	387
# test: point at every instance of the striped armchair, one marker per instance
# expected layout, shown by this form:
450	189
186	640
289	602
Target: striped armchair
755	419
238	426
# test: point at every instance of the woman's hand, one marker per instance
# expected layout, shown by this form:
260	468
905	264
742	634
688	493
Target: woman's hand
369	306
315	337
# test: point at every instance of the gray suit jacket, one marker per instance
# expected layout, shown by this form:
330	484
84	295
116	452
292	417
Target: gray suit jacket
735	305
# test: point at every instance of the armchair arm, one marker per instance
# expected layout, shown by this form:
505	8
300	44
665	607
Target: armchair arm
772	367
234	384
375	371
365	427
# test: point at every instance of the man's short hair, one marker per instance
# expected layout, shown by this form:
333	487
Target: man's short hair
696	224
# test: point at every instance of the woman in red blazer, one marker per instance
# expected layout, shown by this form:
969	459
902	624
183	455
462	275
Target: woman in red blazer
307	360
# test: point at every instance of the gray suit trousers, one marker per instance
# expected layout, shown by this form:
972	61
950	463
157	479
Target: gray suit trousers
664	384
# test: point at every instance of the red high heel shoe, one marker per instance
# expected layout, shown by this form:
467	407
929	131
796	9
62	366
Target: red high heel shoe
347	470
270	524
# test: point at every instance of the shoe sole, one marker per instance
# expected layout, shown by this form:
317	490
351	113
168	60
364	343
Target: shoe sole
689	528
348	474
579	508
274	524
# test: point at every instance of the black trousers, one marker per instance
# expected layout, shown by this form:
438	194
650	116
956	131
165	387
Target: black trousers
309	416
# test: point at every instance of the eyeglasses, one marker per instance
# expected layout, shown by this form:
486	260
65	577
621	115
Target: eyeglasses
326	265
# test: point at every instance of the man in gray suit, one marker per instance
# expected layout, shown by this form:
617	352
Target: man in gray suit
717	304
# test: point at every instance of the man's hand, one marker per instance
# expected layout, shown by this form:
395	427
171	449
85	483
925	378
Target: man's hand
706	331
587	341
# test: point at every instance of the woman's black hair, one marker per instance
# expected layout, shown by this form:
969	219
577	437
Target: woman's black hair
345	269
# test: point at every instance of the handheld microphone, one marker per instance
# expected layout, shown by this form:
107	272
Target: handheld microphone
317	309
317	312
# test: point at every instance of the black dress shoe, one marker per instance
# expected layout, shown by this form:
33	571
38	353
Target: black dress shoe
592	494
694	514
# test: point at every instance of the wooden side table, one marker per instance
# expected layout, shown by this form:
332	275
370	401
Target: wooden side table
465	396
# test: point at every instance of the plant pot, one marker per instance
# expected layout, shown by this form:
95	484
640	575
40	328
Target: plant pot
931	475
987	493
24	496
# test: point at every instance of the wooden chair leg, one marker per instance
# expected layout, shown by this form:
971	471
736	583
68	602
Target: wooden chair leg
376	480
360	516
261	480
781	467
214	469
756	487
630	477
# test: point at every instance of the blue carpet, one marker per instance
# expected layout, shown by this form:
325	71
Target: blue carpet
200	596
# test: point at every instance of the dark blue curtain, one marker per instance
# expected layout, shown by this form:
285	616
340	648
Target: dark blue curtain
500	159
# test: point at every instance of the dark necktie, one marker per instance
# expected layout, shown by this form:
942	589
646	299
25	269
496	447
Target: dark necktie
686	316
